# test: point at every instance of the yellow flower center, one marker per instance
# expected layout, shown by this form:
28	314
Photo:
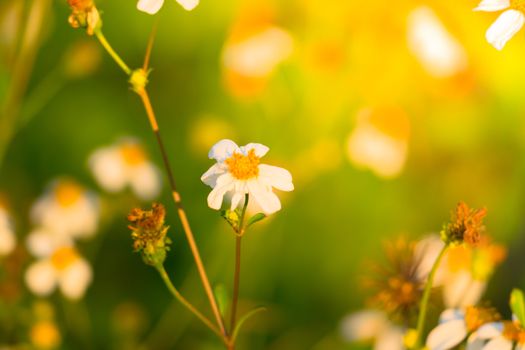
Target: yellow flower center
45	335
64	257
243	167
475	317
68	193
513	331
518	5
133	154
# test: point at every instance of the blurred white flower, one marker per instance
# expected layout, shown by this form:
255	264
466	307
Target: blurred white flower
456	325
64	268
502	336
372	325
238	172
126	163
380	141
436	49
7	234
67	208
507	24
153	6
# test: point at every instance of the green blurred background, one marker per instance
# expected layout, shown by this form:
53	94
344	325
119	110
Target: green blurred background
467	142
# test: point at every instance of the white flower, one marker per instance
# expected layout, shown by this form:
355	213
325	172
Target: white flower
507	24
372	325
126	163
153	6
502	336
7	234
380	141
66	208
63	267
238	172
435	48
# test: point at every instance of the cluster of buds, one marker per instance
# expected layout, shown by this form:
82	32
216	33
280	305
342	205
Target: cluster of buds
466	226
149	233
84	14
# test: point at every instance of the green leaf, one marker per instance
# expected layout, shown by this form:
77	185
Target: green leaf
223	298
243	319
517	305
256	218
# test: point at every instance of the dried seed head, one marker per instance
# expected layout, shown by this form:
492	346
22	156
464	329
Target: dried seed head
466	226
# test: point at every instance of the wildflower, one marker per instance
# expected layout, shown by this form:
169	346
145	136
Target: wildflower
81	59
507	24
84	14
7	234
63	267
126	163
45	335
238	172
252	52
380	141
456	325
153	6
436	49
149	233
373	325
466	226
67	208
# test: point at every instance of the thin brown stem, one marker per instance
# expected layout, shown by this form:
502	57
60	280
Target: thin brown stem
182	214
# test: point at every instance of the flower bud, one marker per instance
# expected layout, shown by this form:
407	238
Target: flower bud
466	226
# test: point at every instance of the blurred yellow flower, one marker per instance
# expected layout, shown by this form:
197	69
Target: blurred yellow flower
45	335
7	234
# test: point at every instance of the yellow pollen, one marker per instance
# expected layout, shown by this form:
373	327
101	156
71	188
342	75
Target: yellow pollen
68	193
514	332
45	335
475	317
64	257
243	167
518	5
132	153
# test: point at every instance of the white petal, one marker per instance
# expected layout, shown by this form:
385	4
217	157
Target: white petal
363	325
447	335
455	287
222	150
40	277
492	5
474	342
498	343
108	169
225	183
426	252
188	5
42	242
504	28
490	330
74	281
268	201
145	181
451	315
276	177
260	149
210	176
7	240
236	199
150	6
390	339
520	347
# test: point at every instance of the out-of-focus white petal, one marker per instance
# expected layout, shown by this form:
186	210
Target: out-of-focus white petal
447	335
363	325
276	177
504	28
259	149
42	242
426	252
492	5
498	343
150	6
41	278
210	176
108	169
474	342
490	330
74	280
188	5
268	200
7	235
451	315
223	150
224	184
390	339
455	288
145	181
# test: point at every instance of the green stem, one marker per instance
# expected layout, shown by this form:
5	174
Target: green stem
186	303
423	306
111	52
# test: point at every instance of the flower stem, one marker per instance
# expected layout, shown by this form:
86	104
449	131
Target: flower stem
183	301
182	214
102	39
423	306
237	273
